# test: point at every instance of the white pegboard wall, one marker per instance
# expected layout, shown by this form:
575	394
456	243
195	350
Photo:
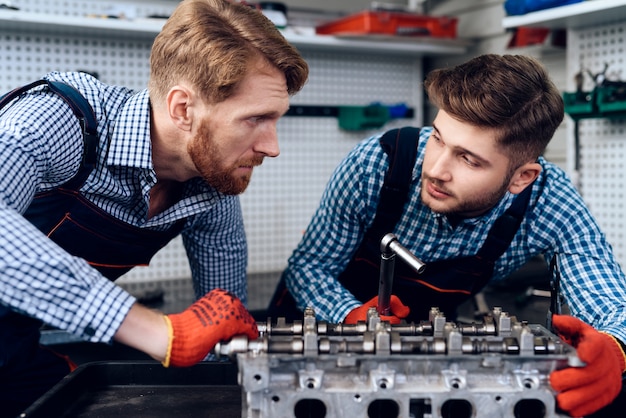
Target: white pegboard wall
284	192
602	174
25	57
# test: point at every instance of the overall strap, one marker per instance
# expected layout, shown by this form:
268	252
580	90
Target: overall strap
82	110
504	228
400	145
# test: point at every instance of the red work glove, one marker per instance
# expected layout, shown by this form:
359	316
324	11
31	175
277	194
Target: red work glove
217	316
398	309
585	390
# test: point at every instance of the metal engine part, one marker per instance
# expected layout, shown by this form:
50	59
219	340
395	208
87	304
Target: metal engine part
309	368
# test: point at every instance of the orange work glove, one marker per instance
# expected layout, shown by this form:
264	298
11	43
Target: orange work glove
217	316
398	309
585	390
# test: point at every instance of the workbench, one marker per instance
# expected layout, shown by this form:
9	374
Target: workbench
143	389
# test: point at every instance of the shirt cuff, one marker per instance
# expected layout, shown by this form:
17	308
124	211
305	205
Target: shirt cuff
345	308
102	312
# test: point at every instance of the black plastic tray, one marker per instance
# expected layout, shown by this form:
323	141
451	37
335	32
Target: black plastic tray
143	389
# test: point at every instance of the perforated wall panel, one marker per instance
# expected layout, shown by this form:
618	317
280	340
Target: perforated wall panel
602	173
284	192
27	54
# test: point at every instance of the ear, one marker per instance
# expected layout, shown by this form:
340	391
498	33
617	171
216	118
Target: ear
179	100
524	176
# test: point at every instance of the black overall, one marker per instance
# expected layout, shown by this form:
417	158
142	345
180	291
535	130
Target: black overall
82	229
445	284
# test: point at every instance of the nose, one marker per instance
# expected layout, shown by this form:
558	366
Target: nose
267	144
440	167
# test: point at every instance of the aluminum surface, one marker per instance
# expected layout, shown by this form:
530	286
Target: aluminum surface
495	368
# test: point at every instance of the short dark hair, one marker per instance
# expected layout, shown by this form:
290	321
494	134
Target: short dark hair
512	94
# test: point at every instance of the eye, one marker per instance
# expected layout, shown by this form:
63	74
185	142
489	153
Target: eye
469	160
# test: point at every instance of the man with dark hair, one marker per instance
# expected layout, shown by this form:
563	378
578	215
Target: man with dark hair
479	202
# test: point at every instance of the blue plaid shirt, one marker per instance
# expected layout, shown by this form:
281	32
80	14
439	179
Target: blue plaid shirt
40	148
557	220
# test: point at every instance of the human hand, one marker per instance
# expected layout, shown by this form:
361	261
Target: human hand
585	390
217	316
398	310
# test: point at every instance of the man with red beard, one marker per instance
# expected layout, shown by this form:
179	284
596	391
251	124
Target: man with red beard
95	179
472	197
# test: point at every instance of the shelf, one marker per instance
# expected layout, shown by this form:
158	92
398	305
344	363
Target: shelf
148	28
380	44
573	16
46	23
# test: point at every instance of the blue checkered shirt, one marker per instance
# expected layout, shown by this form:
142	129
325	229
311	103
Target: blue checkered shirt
557	220
40	148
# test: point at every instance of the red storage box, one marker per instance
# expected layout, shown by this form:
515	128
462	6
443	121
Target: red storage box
524	36
391	23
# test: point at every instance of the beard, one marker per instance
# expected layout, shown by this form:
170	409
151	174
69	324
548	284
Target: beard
477	203
207	158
